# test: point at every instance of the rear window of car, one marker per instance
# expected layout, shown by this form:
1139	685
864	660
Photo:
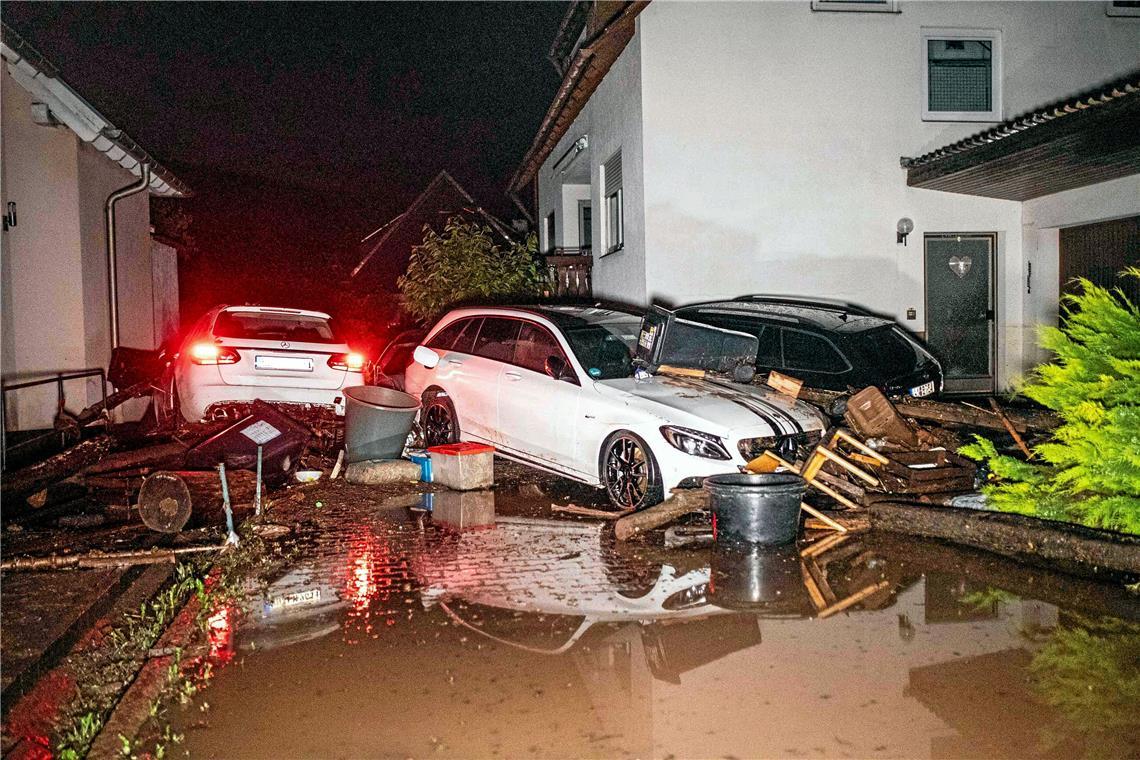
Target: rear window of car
497	339
259	325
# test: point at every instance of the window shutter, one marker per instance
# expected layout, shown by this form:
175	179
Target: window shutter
613	174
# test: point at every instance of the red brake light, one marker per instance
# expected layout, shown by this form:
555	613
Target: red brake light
211	353
352	361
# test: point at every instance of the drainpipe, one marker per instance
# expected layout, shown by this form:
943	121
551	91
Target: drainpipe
112	253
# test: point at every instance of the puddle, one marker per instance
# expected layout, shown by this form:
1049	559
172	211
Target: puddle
502	634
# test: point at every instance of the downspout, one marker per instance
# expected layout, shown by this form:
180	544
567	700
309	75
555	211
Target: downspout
112	252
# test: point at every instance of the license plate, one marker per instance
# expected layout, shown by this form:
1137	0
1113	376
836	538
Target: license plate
293	600
925	389
294	363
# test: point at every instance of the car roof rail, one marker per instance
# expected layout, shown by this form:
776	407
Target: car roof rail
822	305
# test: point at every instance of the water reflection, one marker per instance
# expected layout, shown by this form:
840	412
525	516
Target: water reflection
543	637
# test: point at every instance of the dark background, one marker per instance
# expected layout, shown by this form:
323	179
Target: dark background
302	127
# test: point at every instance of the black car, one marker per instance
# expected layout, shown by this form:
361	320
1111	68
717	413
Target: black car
828	346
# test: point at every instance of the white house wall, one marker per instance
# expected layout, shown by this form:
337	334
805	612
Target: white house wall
613	120
55	288
772	137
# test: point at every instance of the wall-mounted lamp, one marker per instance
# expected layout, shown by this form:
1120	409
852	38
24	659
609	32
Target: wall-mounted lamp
903	228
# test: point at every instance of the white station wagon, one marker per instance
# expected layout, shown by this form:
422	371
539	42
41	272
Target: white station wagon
554	387
235	354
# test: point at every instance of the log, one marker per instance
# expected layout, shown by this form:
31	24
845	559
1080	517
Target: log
169	501
163	456
62	465
1023	420
681	502
1074	548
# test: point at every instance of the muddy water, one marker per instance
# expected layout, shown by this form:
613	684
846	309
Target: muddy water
390	635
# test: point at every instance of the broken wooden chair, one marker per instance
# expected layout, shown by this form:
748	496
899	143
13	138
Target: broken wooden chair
827	451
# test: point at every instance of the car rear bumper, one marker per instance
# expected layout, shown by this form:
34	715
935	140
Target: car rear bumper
195	400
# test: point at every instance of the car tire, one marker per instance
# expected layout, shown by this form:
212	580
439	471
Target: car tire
629	471
438	420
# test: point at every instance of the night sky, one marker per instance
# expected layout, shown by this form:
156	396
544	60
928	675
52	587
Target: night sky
303	126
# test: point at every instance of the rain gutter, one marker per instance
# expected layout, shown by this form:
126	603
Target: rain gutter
112	251
41	79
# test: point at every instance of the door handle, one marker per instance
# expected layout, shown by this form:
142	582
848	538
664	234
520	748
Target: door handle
455	362
514	376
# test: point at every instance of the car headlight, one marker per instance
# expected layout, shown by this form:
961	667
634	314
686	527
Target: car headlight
694	442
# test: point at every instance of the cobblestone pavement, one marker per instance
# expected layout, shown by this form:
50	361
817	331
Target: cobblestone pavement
389	633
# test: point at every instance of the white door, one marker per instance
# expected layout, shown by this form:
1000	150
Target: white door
471	378
538	413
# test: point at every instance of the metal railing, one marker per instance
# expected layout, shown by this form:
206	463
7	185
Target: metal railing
63	432
569	270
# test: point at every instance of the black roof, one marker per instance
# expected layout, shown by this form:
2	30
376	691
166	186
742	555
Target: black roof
834	317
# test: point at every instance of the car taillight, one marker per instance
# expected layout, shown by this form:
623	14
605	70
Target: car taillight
211	353
352	361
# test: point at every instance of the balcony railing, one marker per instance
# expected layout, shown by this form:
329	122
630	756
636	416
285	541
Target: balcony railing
570	272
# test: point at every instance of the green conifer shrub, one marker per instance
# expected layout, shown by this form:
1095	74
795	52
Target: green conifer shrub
1089	470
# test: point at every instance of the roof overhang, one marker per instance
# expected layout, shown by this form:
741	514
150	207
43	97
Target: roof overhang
584	73
1085	140
41	79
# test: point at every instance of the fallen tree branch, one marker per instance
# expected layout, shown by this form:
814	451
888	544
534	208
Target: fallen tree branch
102	559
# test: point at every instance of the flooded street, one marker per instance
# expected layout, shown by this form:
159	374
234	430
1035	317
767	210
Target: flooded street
390	634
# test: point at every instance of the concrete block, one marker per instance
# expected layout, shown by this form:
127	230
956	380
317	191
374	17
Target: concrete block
380	471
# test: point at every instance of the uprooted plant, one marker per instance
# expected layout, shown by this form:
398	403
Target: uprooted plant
1088	471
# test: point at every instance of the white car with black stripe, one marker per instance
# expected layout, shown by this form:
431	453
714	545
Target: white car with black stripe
554	387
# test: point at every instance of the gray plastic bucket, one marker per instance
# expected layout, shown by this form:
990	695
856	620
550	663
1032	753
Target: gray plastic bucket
755	509
376	422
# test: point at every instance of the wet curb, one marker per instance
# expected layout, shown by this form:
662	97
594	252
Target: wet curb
1074	549
133	707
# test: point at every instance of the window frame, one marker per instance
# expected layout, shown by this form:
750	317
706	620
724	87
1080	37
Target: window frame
856	6
550	231
613	230
993	36
1115	11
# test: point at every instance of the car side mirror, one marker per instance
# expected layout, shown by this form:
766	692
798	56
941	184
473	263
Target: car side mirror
425	356
557	368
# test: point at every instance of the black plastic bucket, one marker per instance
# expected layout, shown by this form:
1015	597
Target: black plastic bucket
376	422
755	509
751	577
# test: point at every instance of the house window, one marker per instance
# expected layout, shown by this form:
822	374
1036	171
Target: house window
548	230
864	6
614	223
961	75
1122	8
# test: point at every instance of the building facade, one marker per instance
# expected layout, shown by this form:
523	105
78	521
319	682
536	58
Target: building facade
732	148
61	162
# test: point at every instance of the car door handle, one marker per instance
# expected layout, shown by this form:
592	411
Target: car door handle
455	362
514	376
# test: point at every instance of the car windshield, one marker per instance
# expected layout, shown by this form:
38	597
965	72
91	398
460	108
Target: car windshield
605	349
258	325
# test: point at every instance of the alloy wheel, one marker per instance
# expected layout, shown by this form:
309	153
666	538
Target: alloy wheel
628	474
439	423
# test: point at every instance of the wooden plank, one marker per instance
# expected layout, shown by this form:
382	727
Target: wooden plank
785	384
854	599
